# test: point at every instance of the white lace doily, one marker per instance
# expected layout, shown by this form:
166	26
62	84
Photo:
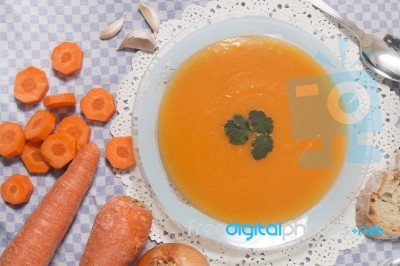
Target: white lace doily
321	249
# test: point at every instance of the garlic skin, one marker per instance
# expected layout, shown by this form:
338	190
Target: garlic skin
151	16
140	39
112	29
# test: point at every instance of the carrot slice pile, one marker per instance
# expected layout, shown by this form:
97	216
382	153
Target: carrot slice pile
59	100
75	126
59	149
67	58
33	159
98	104
31	85
12	139
119	152
39	126
17	189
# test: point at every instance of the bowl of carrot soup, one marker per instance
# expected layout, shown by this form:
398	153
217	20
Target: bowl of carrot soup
232	133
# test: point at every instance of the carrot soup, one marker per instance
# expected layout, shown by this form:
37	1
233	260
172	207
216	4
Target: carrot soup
223	180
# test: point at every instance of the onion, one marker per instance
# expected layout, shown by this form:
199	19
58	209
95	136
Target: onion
173	254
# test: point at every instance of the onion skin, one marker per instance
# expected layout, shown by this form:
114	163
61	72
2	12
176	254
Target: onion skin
173	254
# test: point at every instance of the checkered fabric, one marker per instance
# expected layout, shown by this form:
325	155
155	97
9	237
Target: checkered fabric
29	30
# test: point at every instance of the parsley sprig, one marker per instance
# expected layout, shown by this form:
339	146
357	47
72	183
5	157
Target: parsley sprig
239	128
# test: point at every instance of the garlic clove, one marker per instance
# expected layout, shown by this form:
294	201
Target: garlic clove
140	39
151	16
112	29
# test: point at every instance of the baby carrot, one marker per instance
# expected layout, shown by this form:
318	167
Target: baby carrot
37	241
119	152
12	139
119	233
67	58
59	100
17	189
39	126
98	104
59	149
31	85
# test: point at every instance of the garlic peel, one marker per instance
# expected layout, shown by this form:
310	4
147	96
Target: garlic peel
112	29
140	39
151	16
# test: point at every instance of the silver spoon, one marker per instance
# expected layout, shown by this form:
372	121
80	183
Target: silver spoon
380	51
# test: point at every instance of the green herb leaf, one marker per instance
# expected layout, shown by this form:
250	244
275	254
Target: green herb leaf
261	146
260	123
237	129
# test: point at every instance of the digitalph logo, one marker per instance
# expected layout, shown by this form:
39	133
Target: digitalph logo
248	231
337	104
287	230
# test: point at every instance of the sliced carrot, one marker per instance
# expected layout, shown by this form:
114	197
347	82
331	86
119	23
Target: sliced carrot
59	100
12	139
39	126
31	85
98	104
38	239
17	189
119	152
75	126
59	149
119	233
33	159
67	58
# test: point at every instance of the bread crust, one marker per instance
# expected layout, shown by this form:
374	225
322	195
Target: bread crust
365	214
375	182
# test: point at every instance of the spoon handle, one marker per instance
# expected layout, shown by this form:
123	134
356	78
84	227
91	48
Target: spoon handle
342	20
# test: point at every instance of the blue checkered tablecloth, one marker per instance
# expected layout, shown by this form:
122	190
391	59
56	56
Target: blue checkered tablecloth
28	32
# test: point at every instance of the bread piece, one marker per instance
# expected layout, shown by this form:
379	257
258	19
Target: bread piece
379	204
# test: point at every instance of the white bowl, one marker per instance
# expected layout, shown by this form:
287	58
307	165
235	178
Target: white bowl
145	115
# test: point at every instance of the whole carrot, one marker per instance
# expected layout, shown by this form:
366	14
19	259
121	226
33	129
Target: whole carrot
119	233
44	229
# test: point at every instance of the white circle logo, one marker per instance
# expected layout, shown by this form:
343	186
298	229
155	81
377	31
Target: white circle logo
358	92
